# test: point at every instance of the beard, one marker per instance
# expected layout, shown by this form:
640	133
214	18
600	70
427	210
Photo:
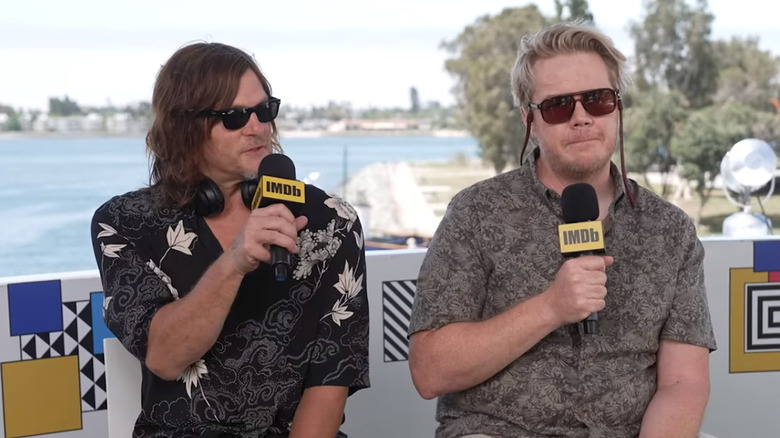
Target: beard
249	175
577	168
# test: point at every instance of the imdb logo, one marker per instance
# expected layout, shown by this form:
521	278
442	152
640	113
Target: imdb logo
581	236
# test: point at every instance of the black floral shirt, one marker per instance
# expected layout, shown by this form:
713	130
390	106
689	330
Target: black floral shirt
498	244
279	337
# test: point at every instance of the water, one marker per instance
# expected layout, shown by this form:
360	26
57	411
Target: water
50	187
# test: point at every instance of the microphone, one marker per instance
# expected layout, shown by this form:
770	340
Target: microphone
582	234
277	184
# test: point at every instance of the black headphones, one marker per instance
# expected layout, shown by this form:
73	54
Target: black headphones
208	199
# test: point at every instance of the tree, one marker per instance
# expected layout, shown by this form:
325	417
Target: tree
650	123
414	97
13	123
333	111
64	107
673	50
578	10
747	74
142	109
484	54
709	133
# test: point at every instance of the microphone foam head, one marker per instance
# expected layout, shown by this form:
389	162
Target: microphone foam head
276	165
579	203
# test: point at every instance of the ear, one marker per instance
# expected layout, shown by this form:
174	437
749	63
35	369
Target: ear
528	117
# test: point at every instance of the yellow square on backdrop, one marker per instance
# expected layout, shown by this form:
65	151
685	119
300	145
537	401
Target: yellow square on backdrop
741	358
41	396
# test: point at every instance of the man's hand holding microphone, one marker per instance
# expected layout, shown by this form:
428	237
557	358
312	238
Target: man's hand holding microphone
579	290
270	234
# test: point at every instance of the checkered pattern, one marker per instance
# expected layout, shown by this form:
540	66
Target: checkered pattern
93	381
45	345
75	339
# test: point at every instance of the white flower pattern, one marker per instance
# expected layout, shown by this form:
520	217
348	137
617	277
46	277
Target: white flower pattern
111	250
178	240
349	287
315	248
106	303
358	239
192	374
160	249
343	209
339	313
107	230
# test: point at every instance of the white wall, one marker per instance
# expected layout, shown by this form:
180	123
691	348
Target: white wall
743	404
745	395
391	408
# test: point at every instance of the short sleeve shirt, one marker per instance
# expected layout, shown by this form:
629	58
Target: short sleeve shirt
279	338
498	245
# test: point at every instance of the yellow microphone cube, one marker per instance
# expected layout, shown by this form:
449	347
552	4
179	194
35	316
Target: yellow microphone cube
279	189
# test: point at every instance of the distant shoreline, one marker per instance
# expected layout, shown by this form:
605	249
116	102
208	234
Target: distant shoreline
30	134
283	134
377	133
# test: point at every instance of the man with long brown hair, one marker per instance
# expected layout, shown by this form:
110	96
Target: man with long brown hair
227	349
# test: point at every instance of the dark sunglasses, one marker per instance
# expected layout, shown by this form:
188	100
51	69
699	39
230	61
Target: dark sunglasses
559	109
237	118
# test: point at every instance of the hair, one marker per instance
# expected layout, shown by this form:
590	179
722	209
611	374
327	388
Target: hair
197	76
562	38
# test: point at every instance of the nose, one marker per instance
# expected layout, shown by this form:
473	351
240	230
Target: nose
580	116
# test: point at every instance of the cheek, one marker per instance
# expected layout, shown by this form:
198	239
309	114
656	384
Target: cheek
206	154
610	129
214	131
217	144
546	135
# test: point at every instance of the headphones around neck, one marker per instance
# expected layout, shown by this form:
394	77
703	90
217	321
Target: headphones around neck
208	199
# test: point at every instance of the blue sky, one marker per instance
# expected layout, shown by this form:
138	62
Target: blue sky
314	51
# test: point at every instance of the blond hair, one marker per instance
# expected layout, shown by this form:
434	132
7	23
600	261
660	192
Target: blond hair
562	38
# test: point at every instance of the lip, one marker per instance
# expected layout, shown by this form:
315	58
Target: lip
579	142
256	149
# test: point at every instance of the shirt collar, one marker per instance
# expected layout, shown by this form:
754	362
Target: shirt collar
529	173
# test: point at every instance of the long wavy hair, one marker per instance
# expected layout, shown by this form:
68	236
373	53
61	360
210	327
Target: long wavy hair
197	76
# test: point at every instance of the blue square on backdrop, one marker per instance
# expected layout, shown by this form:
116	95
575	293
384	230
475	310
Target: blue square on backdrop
35	307
766	256
99	329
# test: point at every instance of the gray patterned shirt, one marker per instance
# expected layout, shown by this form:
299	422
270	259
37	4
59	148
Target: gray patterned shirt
498	245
